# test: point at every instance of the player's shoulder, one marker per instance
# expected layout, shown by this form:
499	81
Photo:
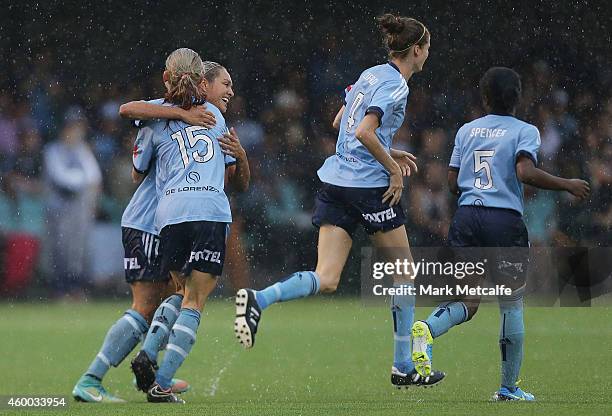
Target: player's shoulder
470	125
525	127
213	109
383	74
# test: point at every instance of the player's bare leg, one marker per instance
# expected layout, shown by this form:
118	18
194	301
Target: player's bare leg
333	250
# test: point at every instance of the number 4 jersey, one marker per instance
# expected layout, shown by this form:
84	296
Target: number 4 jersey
485	153
380	90
190	169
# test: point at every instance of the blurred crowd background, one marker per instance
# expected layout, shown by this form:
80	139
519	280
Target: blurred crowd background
65	155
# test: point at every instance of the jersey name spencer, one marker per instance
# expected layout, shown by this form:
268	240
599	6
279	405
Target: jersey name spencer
140	212
190	170
485	153
381	90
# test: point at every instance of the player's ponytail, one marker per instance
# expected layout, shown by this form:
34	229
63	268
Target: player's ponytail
185	72
401	33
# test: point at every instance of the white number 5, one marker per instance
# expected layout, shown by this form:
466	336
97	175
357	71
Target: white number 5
480	164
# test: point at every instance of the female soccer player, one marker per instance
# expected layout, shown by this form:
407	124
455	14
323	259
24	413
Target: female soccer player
362	185
193	211
492	157
142	272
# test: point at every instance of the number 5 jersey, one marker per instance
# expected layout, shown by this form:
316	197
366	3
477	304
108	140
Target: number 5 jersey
485	153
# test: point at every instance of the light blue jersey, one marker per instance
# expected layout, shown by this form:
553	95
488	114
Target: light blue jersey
140	212
381	90
485	153
190	170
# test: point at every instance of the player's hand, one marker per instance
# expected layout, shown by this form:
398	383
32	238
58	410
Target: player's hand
230	145
579	188
393	194
199	116
406	162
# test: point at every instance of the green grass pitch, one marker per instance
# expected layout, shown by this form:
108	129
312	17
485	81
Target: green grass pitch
323	356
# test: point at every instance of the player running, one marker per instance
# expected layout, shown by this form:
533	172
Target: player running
493	156
193	212
142	272
362	185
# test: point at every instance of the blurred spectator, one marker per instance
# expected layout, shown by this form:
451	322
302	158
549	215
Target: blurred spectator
73	179
105	142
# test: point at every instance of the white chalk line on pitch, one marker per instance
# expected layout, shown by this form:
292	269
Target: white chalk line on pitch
215	383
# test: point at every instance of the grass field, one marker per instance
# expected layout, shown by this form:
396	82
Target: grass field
330	356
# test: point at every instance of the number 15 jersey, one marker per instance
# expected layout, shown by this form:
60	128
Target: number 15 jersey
485	154
190	168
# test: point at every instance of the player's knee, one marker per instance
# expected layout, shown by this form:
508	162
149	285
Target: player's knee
145	309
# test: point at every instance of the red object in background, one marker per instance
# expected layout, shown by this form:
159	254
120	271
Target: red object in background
20	257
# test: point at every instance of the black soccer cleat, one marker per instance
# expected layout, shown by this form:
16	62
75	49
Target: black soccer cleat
248	314
431	380
144	369
399	379
158	395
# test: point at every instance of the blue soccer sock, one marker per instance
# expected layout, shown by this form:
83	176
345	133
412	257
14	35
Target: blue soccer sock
297	285
402	310
182	338
446	316
511	337
163	320
120	340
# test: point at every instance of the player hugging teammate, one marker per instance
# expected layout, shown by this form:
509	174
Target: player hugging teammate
182	167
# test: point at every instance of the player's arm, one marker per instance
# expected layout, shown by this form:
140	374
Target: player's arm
529	174
453	185
142	110
239	175
137	177
338	118
366	134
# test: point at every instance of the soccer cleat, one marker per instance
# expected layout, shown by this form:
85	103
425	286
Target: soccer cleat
248	314
178	386
144	370
158	395
422	351
89	389
399	379
504	394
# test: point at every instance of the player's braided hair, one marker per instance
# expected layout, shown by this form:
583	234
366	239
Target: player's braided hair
402	33
185	73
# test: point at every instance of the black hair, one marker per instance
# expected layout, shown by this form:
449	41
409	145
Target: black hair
500	89
401	33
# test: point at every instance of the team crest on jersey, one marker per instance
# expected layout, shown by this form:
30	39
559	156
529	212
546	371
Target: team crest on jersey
136	150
